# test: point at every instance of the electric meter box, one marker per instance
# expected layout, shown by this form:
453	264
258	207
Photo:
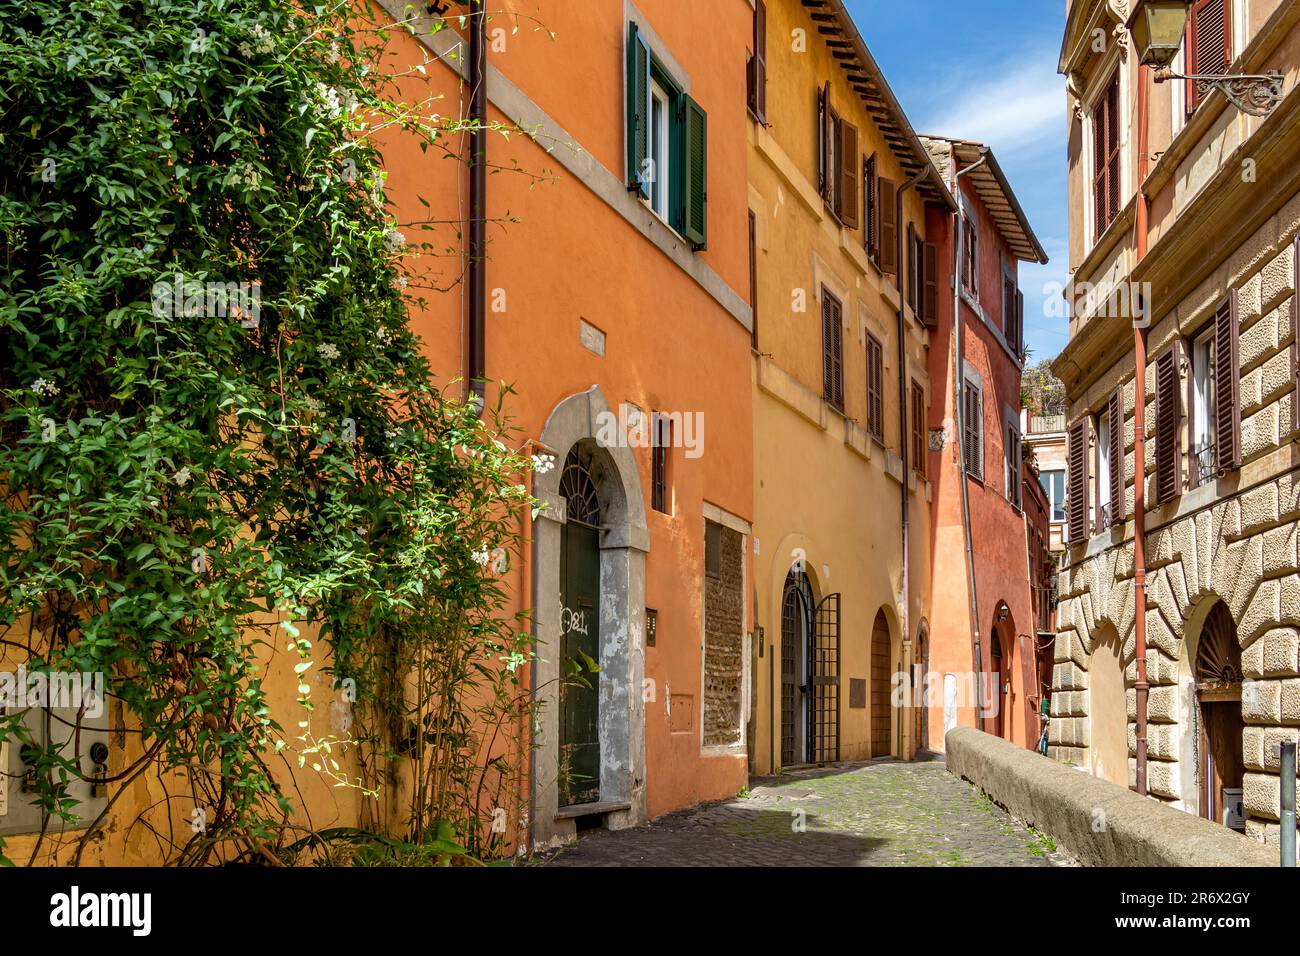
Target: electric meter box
18	812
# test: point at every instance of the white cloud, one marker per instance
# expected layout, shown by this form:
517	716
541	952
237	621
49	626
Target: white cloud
1020	108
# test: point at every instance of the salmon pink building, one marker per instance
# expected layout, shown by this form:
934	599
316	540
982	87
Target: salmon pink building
982	666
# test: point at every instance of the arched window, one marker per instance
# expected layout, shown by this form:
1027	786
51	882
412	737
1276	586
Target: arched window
578	489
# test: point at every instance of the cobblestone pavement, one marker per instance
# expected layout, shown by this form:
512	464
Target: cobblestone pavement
863	814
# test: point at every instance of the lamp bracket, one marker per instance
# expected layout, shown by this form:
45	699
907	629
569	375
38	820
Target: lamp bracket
1255	94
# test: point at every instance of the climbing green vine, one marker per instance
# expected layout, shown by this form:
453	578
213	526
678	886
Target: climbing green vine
222	445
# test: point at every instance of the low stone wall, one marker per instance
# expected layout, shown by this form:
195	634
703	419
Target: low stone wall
1100	823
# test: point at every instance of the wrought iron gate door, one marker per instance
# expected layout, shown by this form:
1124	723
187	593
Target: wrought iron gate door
794	617
824	690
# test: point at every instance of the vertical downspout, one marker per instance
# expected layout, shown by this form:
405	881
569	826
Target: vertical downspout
477	302
902	420
960	393
1140	450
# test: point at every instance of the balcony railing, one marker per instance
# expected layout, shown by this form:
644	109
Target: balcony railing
1046	424
1204	466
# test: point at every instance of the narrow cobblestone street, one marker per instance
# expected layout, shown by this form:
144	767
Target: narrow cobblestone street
863	814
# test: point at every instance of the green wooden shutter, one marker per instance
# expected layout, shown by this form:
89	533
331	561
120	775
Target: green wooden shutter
695	143
638	113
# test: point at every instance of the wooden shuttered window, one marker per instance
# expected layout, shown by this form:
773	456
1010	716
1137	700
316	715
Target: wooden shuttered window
918	429
914	267
661	427
970	267
638	112
839	158
875	388
973	429
1227	386
1115	426
695	153
753	281
846	206
930	295
832	350
1169	422
871	209
1077	492
1208	45
1106	157
825	144
1014	456
757	77
888	226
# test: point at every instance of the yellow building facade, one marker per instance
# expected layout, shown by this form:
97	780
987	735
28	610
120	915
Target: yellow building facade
834	437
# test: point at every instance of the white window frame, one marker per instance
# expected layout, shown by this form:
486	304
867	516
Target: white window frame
1103	462
660	149
1202	423
1053	501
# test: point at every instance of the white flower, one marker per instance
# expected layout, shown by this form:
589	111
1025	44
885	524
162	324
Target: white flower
384	334
390	434
543	463
334	52
394	241
265	42
315	406
44	387
182	477
328	351
481	558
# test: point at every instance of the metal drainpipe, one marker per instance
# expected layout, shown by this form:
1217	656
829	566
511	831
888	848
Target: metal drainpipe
960	383
902	417
477	304
1140	452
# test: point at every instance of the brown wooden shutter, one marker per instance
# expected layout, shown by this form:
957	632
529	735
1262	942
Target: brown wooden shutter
1077	513
888	226
1209	45
1115	423
973	426
1106	157
760	60
918	430
832	350
849	160
912	266
875	388
871	209
1168	426
753	280
1227	379
931	298
824	181
1019	343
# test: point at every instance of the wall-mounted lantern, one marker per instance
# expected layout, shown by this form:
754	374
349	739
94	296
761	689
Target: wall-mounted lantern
1158	28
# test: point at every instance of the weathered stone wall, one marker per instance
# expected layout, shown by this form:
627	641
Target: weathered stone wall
1234	539
1100	823
724	644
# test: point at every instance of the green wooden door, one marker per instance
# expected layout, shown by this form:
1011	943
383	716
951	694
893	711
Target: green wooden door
579	775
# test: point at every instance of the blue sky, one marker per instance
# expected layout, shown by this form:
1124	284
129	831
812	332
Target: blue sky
986	70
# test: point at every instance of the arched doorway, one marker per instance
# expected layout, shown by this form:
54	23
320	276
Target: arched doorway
618	617
1220	762
997	672
919	699
796	626
880	686
579	768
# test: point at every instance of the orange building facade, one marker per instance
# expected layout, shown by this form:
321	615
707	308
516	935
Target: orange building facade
613	286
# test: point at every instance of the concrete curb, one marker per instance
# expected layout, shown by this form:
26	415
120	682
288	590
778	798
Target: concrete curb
1101	823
